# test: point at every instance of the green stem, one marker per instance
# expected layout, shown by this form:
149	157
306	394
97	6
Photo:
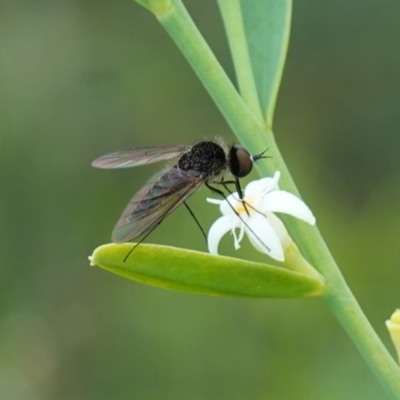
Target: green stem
341	300
184	32
254	136
232	16
295	261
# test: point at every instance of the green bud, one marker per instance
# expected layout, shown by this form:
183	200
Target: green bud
393	325
196	272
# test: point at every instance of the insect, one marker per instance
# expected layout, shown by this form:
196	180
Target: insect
205	162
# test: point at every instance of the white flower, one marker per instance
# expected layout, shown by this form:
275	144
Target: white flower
254	215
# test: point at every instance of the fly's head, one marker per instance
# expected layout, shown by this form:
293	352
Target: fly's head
241	162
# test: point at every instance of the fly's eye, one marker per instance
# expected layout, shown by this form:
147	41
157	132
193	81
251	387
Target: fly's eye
240	162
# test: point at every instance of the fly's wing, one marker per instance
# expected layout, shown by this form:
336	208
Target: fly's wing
140	156
158	198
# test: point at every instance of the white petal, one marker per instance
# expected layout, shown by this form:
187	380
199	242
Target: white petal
218	229
262	186
288	203
279	229
276	178
263	237
231	203
214	201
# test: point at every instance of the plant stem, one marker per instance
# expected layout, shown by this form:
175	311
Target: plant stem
256	139
184	32
295	261
342	302
232	17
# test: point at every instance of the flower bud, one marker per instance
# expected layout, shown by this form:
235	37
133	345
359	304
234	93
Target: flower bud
393	325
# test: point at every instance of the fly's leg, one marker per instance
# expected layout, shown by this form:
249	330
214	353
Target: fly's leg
154	227
141	240
196	220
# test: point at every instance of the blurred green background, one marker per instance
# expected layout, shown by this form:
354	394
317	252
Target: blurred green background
82	78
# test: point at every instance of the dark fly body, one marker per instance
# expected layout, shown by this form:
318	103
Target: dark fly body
205	162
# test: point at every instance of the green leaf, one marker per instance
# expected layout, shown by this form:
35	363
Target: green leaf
195	272
267	27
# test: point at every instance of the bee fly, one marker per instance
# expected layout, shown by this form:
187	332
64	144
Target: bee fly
205	162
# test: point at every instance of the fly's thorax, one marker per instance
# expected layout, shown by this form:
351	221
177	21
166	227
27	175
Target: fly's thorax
208	158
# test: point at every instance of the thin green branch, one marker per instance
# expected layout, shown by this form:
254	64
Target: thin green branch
184	32
232	16
338	296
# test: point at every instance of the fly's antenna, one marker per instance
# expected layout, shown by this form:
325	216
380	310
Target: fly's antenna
259	156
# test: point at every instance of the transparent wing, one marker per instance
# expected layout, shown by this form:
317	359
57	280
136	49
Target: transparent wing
138	156
158	198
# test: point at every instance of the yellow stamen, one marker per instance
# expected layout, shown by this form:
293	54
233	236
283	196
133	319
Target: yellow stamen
241	206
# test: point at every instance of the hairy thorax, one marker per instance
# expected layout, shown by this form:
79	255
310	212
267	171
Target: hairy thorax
208	158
